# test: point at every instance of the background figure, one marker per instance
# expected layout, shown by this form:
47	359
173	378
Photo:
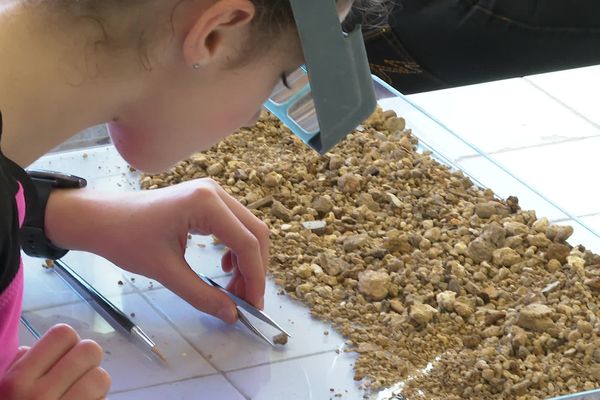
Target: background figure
437	44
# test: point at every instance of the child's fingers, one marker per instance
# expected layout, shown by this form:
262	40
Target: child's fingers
95	384
21	351
83	357
47	351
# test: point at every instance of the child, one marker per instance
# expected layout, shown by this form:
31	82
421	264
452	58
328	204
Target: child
172	77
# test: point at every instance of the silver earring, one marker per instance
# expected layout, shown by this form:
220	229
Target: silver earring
196	66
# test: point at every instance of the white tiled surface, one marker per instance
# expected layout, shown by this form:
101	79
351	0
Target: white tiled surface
543	130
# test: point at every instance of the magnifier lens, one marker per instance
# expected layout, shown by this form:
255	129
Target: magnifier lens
304	114
296	81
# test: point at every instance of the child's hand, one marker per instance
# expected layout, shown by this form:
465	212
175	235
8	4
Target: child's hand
146	233
60	366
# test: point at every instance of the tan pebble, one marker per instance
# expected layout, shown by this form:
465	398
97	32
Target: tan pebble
374	284
559	233
280	339
281	212
553	265
505	257
493	316
349	183
215	169
355	242
487	374
422	313
541	225
322	204
584	327
397	306
463	309
445	300
480	250
514	228
535	317
433	234
273	179
558	251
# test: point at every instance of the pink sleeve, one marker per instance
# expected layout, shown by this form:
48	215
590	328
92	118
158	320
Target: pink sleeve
10	304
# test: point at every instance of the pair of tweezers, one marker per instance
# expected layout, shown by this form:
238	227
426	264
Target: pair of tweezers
250	309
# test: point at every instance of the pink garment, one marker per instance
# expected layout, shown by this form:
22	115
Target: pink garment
10	304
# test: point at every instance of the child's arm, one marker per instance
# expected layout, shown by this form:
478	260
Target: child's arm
146	233
60	365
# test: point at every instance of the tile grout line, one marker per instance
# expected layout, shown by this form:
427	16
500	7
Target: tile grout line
528	147
123	391
568	107
186	340
282	361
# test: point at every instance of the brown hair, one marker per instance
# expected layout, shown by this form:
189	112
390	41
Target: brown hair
272	17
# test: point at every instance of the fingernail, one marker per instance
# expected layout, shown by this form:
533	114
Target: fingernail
227	315
261	304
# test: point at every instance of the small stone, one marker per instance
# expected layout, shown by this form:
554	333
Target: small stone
374	284
494	234
558	252
304	271
492	331
264	202
422	313
349	183
471	341
535	317
514	228
397	306
538	240
433	234
396	242
541	225
445	300
488	294
559	233
355	242
505	257
335	162
486	210
553	265
487	374
463	309
215	169
480	250
322	204
281	212
395	124
584	327
395	200
280	339
493	316
332	265
520	388
316	227
273	179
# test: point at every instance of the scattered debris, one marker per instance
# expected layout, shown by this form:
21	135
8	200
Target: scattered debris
413	263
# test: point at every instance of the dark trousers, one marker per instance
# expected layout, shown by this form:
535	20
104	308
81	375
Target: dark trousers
437	44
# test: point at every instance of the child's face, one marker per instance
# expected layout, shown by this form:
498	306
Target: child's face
190	110
183	110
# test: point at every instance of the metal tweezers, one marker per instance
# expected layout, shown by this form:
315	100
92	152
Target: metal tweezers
249	308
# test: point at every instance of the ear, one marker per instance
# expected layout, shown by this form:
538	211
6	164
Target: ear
205	37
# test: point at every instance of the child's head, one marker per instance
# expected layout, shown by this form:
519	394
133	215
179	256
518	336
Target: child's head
195	70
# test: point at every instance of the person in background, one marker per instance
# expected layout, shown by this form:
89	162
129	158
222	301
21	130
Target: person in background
437	44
